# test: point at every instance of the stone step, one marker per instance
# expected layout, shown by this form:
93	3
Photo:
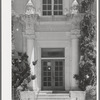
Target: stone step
52	96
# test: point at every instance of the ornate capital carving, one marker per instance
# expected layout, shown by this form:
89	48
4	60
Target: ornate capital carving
75	34
30	8
75	21
74	7
30	21
29	36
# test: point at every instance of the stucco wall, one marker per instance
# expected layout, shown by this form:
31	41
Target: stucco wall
19	5
18	37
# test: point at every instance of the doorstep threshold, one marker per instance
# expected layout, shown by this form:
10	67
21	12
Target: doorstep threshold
54	92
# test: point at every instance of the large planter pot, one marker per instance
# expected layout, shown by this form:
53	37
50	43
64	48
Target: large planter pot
27	95
91	92
77	95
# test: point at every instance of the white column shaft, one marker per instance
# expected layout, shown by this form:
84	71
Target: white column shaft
75	62
30	46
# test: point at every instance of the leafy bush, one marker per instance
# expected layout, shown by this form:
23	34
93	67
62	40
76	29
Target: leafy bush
87	69
21	75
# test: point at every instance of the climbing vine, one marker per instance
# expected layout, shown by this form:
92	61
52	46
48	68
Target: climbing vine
87	69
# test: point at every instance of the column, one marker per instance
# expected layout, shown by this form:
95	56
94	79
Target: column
30	47
75	62
30	52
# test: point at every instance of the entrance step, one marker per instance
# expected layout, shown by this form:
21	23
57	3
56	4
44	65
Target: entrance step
52	96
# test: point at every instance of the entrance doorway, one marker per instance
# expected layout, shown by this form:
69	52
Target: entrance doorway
53	73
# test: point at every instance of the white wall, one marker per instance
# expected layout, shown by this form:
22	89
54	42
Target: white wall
19	5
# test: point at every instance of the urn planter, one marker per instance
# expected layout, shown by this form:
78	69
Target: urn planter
27	95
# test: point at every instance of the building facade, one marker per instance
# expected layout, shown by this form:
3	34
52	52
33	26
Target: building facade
48	31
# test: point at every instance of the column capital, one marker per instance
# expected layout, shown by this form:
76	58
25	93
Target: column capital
30	21
75	34
29	36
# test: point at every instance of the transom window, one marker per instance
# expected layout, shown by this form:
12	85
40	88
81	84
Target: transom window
52	7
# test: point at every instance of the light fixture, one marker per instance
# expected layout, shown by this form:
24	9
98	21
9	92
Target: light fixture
48	63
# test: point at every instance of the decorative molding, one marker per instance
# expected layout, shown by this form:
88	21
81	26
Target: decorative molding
38	12
30	21
75	3
15	14
31	36
75	21
30	8
74	7
66	11
75	34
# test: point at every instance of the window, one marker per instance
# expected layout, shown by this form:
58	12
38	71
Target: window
52	52
52	7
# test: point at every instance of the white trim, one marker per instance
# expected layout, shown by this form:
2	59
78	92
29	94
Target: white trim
98	55
53	58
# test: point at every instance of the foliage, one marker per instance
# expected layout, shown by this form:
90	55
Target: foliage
21	70
85	5
87	69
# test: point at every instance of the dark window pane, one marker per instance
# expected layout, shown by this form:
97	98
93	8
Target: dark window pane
56	83
56	73
60	73
45	73
60	68
45	79
44	1
44	63
56	78
56	63
45	83
49	1
60	78
55	13
55	7
61	83
56	68
49	78
44	13
60	13
45	68
55	1
60	1
49	83
60	7
49	7
49	13
44	7
60	63
49	73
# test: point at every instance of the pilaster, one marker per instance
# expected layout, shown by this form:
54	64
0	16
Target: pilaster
74	58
